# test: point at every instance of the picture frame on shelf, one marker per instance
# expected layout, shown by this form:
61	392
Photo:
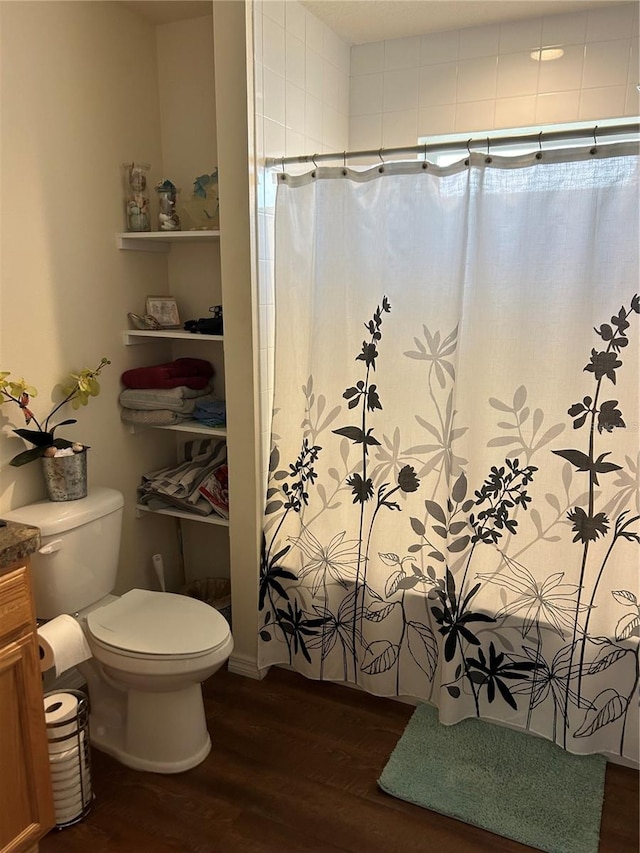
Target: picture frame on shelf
165	311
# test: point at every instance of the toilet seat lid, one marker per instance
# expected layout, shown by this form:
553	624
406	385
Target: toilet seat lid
158	623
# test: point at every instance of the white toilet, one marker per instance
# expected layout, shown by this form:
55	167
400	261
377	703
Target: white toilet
151	650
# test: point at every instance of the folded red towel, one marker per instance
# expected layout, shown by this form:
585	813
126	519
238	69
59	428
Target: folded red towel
193	372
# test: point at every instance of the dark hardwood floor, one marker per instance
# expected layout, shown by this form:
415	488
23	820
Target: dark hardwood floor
293	768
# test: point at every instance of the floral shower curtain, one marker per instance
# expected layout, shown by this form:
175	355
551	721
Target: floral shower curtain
452	509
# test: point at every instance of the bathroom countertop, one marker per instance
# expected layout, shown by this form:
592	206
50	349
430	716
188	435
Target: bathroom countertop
17	541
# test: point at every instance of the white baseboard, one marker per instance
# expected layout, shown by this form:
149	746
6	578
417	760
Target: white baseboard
247	666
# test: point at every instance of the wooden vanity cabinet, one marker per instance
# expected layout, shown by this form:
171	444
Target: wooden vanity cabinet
26	802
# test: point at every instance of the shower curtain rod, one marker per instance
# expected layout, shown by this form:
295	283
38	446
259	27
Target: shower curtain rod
596	134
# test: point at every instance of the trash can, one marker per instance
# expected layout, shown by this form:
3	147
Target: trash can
67	723
213	591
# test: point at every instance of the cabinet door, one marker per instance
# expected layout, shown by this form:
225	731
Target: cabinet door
26	812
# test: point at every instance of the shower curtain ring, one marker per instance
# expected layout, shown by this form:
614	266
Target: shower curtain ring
540	141
283	163
488	145
344	159
380	150
313	160
469	140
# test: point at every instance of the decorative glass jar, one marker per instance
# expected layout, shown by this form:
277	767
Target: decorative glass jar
137	199
168	219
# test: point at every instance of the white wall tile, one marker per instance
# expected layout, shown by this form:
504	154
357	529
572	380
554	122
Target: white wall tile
294	143
314	74
402	53
330	85
295	19
314	33
274	96
477	78
557	107
331	47
515	112
258	76
634	62
265	273
294	107
437	84
517	36
473	116
274	9
606	63
610	23
479	41
274	138
365	132
257	36
273	53
437	48
259	136
335	130
344	58
564	29
436	120
366	94
607	102
632	102
399	128
517	75
343	92
559	75
295	65
400	90
313	117
367	58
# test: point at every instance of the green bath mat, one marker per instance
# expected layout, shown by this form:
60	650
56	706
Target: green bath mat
507	782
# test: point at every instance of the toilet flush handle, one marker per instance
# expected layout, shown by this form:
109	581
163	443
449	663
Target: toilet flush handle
51	547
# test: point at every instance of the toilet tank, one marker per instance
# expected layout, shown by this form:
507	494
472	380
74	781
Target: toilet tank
77	561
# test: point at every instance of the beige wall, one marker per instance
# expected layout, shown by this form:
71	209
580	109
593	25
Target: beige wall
79	97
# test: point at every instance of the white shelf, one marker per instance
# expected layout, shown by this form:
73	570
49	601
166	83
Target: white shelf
191	516
160	241
187	426
136	336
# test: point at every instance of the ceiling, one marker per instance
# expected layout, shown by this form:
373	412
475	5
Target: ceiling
359	21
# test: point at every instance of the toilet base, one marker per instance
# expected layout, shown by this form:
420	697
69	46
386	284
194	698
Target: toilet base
137	763
163	732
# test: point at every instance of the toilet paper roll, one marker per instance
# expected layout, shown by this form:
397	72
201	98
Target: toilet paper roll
61	718
66	815
62	644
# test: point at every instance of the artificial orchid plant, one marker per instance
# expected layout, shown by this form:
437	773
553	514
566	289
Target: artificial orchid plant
76	390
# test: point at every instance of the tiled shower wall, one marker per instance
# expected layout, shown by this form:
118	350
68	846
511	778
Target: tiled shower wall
315	94
483	78
301	73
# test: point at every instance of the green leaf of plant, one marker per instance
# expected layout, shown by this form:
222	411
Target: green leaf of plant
27	456
36	436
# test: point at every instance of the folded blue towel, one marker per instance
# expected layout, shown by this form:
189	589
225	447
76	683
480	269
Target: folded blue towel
211	412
